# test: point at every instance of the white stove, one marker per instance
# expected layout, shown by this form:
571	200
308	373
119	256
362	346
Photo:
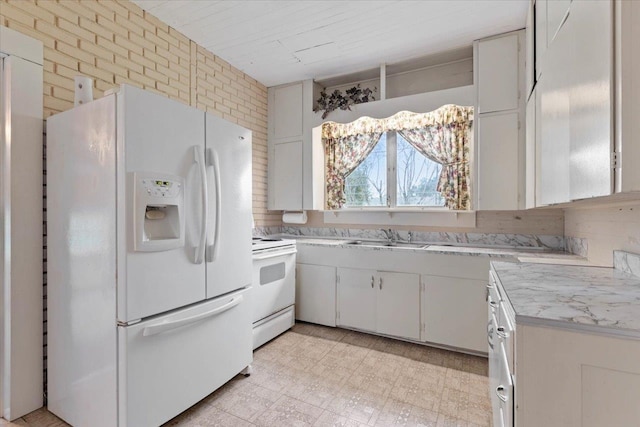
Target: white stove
274	287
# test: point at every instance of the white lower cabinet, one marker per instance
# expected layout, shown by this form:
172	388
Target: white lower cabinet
356	298
377	301
455	312
398	305
574	379
316	294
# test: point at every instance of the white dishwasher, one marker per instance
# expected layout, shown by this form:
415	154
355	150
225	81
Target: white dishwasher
273	287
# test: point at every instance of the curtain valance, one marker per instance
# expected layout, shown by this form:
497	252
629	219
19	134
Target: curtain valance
404	120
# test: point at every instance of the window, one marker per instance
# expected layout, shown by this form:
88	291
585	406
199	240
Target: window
406	160
367	184
394	174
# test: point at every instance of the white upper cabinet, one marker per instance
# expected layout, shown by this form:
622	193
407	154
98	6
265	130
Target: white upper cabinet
287	111
285	174
591	93
552	184
540	25
498	184
557	12
498	73
530	150
499	125
296	165
627	36
575	103
530	45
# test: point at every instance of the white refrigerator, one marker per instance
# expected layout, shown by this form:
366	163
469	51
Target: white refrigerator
149	258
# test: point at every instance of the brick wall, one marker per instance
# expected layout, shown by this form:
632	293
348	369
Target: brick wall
117	42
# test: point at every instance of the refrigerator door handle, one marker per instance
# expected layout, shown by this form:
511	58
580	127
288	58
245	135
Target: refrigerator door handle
212	250
199	159
167	326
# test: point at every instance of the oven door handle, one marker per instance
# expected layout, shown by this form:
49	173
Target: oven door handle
274	255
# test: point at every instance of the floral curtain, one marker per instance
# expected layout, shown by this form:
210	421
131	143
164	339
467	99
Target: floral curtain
446	140
342	156
441	135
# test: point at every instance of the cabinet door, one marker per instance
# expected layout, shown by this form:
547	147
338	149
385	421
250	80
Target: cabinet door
628	92
455	312
557	11
530	152
591	123
287	111
541	34
552	184
529	65
498	83
398	304
356	298
286	167
316	294
498	161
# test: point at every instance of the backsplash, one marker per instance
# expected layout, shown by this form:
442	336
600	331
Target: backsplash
576	245
607	228
266	231
493	239
627	262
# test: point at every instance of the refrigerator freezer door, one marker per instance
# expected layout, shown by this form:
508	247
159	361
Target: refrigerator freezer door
160	139
169	363
229	240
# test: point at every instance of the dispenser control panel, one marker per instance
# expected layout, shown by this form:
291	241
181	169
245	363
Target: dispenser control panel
161	187
158	211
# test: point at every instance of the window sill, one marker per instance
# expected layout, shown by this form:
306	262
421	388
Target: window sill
434	217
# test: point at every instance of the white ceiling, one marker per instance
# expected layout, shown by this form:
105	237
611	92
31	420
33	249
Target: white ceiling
279	42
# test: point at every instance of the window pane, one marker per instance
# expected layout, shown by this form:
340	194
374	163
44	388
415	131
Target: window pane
417	177
367	184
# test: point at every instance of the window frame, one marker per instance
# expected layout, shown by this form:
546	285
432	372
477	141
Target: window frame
392	184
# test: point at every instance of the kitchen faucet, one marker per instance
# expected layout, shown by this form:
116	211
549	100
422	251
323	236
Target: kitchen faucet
391	238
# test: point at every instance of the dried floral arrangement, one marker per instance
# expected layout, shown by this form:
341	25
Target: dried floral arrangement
355	95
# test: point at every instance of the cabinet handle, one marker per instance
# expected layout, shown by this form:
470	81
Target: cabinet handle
490	333
501	333
372	281
380	282
500	395
493	304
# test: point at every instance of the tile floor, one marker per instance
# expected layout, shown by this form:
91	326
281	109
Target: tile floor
319	376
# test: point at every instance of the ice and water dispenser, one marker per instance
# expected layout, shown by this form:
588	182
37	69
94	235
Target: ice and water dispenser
158	212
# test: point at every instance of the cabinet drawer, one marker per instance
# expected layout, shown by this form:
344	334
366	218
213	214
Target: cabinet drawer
164	370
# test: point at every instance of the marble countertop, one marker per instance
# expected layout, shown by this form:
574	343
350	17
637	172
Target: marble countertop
455	249
595	299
